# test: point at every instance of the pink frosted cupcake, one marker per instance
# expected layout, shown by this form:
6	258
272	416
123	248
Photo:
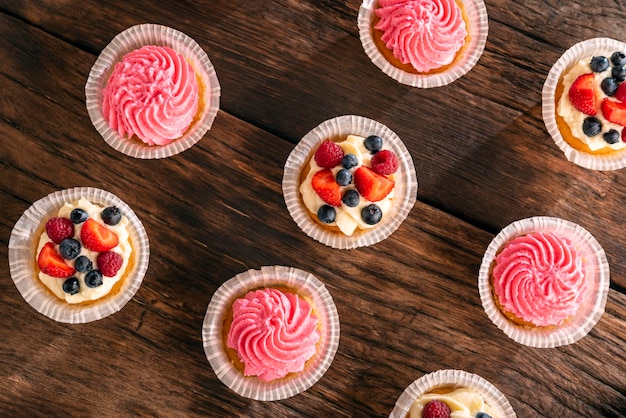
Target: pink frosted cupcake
152	92
544	281
270	334
423	43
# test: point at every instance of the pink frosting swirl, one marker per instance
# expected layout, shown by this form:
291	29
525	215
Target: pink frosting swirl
539	278
424	33
274	333
153	94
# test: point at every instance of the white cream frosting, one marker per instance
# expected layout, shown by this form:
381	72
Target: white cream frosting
463	403
124	248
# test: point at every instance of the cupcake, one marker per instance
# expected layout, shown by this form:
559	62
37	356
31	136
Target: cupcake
350	182
584	104
453	393
423	43
78	255
152	92
272	333
544	281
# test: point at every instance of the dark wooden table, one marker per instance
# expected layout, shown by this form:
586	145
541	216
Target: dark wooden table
408	305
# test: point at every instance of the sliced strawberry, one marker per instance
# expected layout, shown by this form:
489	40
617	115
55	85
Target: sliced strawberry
96	237
51	263
582	94
326	187
614	111
328	154
372	186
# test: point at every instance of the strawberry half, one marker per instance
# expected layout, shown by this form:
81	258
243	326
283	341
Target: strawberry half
582	94
96	237
614	111
372	186
326	187
51	263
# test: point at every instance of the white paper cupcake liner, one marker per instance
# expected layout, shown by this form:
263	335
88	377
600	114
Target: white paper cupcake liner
581	50
23	245
133	38
458	378
597	274
405	192
306	285
478	29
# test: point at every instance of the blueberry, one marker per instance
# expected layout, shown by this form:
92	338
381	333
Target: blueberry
609	86
78	216
93	278
349	161
371	214
83	264
351	198
69	248
483	415
599	64
111	215
618	58
592	126
619	73
71	286
611	137
326	214
343	177
373	143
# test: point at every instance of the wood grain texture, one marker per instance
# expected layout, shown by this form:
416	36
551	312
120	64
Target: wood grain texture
408	305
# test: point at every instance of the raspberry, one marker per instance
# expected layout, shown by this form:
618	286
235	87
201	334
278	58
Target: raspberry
436	409
59	229
109	263
328	155
385	162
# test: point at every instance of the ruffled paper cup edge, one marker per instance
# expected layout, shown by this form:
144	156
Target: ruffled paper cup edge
22	268
590	311
579	51
212	327
492	395
478	30
134	38
406	181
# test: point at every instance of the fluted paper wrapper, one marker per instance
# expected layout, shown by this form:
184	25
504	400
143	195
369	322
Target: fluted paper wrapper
405	192
306	285
23	245
581	50
457	378
129	40
597	275
478	29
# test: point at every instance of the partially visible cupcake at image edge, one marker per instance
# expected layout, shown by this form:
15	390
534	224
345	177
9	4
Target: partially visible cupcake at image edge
423	43
152	92
544	281
272	333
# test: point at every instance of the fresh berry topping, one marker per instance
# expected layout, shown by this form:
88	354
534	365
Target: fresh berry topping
619	73
83	264
351	198
609	86
69	248
71	286
93	278
96	237
51	263
371	214
618	58
59	228
592	126
482	415
611	137
373	143
111	215
328	154
109	263
326	187
385	162
614	111
349	161
620	93
599	64
436	409
582	95
343	177
78	216
326	214
372	186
